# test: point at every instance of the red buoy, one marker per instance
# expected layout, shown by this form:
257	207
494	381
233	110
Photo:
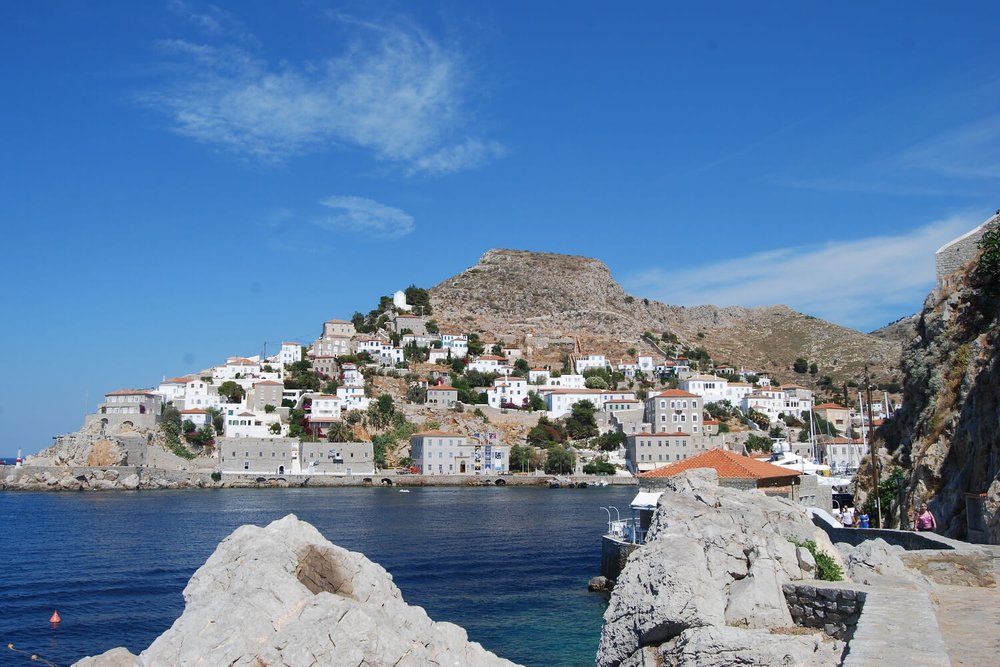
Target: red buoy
55	617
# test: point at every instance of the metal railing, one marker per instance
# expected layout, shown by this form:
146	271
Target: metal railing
625	530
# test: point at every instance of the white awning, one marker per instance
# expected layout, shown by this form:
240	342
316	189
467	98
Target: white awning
645	500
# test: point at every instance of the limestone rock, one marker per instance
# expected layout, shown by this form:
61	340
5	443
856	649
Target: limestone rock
806	562
284	595
876	561
116	657
726	647
714	558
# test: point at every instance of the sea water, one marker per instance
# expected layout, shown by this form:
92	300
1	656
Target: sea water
510	565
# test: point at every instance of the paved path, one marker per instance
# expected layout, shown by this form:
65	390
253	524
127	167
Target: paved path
969	620
897	627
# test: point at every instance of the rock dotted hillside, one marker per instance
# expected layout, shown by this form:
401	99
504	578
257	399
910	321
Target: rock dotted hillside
513	292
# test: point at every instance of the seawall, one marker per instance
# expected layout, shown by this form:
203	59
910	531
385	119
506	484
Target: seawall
109	478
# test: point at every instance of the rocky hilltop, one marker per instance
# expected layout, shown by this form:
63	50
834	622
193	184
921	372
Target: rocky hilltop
947	433
547	295
284	595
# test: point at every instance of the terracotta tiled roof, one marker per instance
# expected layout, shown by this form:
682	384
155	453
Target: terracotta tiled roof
130	392
194	411
676	393
652	435
829	406
266	382
437	433
177	381
441	387
726	464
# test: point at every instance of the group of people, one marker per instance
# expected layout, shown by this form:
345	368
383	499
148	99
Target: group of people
921	520
851	517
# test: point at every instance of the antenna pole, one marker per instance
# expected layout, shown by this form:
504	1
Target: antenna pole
871	450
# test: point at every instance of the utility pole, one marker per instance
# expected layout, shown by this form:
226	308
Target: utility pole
877	519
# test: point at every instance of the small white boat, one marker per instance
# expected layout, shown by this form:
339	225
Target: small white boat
404	490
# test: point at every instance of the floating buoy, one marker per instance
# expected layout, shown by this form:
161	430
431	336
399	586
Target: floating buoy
55	617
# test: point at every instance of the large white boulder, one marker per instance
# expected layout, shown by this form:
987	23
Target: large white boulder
284	595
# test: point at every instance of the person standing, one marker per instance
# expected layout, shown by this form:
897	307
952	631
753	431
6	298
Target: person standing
847	518
863	520
925	519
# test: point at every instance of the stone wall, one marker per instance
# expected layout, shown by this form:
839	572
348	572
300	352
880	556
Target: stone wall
614	555
834	610
954	256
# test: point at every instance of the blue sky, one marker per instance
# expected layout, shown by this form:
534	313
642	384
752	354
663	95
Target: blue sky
184	181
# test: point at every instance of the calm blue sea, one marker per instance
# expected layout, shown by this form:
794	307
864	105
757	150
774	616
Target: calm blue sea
508	564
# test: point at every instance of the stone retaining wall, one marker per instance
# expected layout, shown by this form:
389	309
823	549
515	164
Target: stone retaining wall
832	609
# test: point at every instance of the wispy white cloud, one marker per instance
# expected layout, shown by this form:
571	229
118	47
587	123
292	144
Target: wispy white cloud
364	216
968	151
213	20
862	283
395	92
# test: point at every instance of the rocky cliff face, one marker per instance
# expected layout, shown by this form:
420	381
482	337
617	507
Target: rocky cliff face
947	433
284	595
515	292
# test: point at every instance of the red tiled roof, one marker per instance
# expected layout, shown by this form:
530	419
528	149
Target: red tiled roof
726	464
194	411
130	392
676	393
441	387
829	406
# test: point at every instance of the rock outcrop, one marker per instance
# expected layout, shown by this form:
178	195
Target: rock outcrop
284	595
946	436
706	588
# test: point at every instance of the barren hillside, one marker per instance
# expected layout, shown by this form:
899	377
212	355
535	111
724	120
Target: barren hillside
514	292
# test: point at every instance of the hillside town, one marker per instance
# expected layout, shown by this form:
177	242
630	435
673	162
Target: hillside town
396	390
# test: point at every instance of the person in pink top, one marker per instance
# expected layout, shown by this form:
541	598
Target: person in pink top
925	520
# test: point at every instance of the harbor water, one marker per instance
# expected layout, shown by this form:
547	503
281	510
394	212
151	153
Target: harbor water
510	565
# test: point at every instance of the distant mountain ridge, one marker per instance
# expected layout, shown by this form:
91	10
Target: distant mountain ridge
514	292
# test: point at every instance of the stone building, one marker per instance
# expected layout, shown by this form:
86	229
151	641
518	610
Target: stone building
441	453
675	411
128	408
287	456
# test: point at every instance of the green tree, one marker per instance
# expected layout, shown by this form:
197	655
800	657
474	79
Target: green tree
419	298
432	327
758	443
599	467
417	394
233	392
520	458
610	441
631	352
381	411
989	259
476	346
218	419
274	428
813	369
168	413
268	408
521	367
340	432
545	433
187	426
535	401
580	422
559	461
596	382
801	365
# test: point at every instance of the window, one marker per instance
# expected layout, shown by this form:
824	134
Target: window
246	465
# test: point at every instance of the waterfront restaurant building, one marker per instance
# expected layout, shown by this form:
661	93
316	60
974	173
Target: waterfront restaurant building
442	453
735	471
